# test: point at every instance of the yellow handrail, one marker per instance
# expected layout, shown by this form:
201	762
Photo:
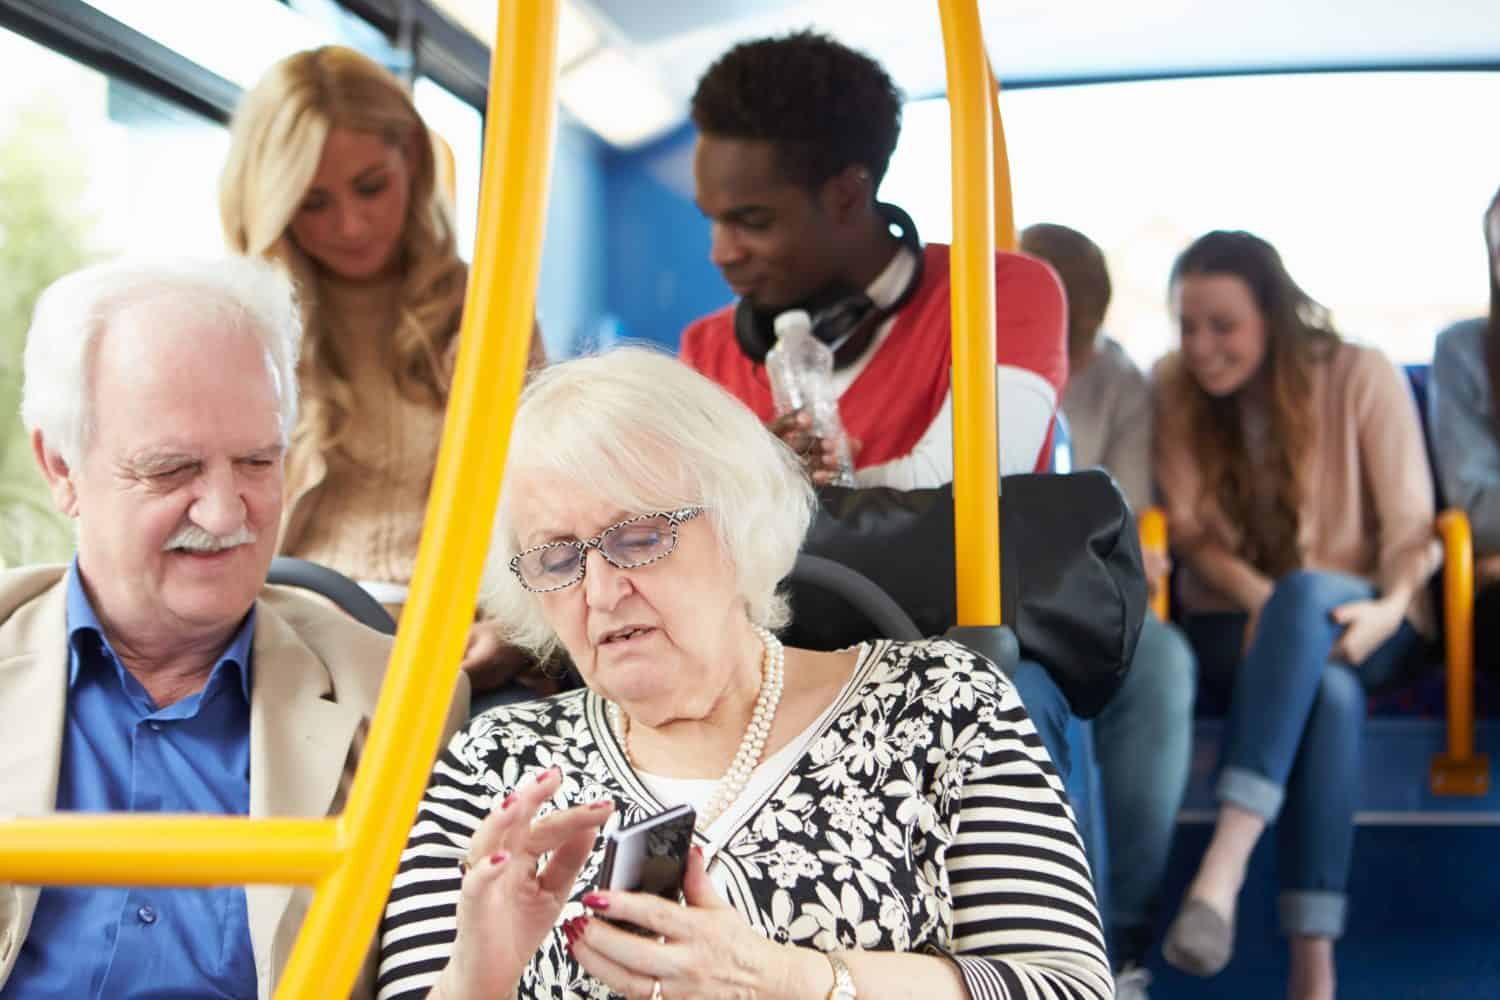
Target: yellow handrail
352	859
976	479
203	850
1460	771
493	345
1152	526
1005	212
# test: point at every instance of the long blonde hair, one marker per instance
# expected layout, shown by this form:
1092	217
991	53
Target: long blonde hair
276	141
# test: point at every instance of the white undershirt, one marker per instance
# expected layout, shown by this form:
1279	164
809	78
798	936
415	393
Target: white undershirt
1025	403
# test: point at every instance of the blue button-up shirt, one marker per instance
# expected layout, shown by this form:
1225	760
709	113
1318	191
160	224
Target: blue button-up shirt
121	753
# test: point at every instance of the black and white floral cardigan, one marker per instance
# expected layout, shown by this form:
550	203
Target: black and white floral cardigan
924	816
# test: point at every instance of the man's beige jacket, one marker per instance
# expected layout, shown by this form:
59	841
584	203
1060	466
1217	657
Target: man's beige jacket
315	678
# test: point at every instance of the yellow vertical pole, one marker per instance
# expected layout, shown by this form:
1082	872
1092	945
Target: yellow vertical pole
1460	771
1152	527
976	480
1005	213
495	335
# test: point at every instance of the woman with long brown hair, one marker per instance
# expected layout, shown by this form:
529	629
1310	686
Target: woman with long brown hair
1466	440
331	173
1300	512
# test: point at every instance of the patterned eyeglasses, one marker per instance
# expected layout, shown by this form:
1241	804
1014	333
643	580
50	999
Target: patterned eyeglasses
633	543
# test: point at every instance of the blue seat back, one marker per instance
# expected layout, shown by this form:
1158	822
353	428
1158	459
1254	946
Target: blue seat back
1418	376
1062	445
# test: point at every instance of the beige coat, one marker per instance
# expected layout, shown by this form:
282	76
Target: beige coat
1368	507
315	681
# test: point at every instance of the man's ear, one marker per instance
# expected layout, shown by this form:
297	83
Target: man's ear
59	476
847	193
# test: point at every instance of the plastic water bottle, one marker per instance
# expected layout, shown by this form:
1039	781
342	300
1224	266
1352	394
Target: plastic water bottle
801	370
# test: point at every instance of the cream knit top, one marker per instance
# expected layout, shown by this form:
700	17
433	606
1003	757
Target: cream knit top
358	507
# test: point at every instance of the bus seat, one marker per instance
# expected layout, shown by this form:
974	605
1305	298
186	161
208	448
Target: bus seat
889	619
336	587
1459	770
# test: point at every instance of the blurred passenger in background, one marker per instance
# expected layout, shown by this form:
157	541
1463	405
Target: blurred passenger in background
1466	439
331	173
1143	736
1300	510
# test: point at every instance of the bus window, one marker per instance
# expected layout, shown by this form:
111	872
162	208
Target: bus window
263	31
89	167
1370	184
462	128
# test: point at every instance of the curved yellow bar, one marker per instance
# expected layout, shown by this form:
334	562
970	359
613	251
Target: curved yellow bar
1460	771
1152	525
976	480
116	849
1005	212
493	345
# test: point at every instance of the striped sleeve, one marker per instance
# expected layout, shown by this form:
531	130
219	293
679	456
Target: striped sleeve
421	915
1025	921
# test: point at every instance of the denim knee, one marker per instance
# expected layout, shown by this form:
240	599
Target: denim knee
1339	690
1165	671
1311	592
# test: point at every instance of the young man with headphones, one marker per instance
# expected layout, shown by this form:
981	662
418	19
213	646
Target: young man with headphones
794	137
795	134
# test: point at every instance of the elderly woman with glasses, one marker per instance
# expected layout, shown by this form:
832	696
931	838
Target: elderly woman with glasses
876	821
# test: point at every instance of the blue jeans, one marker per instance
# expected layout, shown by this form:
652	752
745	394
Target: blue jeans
1294	729
1143	742
1049	712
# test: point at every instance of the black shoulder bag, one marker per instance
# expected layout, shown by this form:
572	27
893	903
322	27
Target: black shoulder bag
1072	584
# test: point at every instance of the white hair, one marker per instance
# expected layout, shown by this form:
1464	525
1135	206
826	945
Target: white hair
642	432
234	292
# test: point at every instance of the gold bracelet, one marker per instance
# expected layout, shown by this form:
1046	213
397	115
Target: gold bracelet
843	980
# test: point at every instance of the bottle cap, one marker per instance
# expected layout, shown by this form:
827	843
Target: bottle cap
793	319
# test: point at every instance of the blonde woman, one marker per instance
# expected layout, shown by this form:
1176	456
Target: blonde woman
331	173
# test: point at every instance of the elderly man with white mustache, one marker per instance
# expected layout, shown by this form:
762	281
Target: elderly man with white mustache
158	672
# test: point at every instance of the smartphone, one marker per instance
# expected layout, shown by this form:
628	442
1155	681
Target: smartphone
649	856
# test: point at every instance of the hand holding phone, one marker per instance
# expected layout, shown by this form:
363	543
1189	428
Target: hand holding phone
649	856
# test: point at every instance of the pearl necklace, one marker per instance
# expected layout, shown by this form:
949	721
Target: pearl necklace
752	746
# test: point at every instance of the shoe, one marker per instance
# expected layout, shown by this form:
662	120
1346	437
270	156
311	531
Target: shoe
1131	983
1199	942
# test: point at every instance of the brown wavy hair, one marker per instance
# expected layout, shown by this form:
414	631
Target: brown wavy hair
1300	335
276	141
1492	322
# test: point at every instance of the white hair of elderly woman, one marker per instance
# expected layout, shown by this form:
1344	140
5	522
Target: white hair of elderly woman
240	292
642	432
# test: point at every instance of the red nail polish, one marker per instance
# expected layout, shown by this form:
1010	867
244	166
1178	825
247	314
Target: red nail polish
594	901
510	800
499	858
697	852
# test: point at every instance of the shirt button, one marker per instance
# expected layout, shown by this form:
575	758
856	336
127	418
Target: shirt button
147	915
155	726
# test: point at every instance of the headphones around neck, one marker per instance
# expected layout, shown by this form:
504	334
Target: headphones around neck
843	317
